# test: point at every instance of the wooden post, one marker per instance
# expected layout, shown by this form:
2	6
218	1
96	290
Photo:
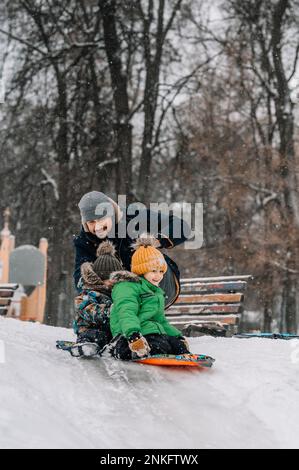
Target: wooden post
12	240
6	247
42	290
33	306
28	307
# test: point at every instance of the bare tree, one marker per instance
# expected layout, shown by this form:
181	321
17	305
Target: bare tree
85	73
58	43
261	55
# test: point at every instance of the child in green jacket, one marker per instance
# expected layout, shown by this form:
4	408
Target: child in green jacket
137	320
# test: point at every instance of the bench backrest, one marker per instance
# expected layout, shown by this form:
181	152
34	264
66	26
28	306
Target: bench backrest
209	300
6	294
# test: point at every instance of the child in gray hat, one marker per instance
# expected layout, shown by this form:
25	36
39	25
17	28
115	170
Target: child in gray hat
92	306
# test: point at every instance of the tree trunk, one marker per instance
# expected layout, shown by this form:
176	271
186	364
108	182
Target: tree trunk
123	183
289	295
119	81
153	65
285	120
267	320
60	245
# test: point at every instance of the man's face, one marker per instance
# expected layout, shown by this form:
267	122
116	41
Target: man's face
100	227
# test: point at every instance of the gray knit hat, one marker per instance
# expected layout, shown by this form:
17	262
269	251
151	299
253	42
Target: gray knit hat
96	205
106	261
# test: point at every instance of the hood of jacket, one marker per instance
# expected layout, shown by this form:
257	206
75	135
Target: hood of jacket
91	280
123	276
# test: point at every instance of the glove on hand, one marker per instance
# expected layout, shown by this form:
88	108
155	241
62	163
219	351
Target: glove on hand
185	342
139	345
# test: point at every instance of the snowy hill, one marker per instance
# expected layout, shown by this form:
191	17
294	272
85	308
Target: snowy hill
48	399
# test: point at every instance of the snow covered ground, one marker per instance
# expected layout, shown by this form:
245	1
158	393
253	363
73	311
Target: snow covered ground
48	399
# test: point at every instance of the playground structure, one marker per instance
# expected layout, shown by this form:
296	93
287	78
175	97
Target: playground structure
23	277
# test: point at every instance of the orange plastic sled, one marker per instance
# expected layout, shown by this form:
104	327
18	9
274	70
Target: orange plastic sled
189	360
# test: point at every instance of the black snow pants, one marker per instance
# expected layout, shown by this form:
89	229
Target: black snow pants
159	344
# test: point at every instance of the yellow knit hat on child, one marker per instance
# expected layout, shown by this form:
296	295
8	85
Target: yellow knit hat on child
146	257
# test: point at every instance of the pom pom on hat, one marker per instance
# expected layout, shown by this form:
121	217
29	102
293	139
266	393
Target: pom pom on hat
146	257
145	239
106	248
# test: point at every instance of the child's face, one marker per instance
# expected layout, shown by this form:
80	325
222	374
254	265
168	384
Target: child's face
155	276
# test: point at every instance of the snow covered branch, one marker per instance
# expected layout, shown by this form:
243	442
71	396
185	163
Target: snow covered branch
284	268
113	161
52	182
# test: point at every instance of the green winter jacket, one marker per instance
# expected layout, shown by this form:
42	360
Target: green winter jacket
139	307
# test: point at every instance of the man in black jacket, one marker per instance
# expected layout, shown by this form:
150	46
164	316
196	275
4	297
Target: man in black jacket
98	226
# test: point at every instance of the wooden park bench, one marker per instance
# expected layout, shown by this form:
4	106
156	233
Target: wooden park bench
6	295
209	305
